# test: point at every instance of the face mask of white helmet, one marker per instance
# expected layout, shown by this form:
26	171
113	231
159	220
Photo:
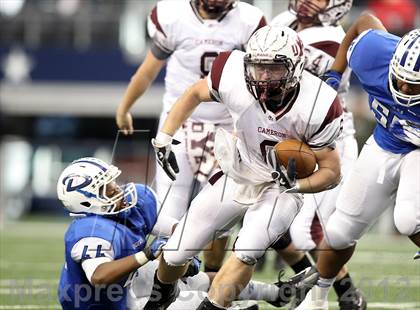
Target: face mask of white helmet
82	188
274	62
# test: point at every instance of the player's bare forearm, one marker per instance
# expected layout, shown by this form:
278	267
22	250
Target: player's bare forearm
140	81
112	272
327	175
364	22
185	106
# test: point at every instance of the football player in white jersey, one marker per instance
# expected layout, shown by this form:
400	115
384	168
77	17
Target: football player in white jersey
318	25
188	42
270	98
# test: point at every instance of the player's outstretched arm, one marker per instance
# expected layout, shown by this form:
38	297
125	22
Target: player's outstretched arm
328	174
113	271
179	113
185	106
364	22
139	83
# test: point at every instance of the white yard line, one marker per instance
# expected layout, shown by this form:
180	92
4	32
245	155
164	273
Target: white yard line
388	305
382	258
376	305
38	266
26	292
36	230
26	281
29	307
375	281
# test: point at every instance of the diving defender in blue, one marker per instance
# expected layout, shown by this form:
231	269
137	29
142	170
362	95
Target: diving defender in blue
107	240
387	172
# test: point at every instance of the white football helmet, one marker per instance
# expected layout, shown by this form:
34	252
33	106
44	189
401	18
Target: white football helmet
81	188
331	15
278	50
405	66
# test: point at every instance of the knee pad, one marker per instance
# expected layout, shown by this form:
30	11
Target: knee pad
405	222
249	257
176	258
338	237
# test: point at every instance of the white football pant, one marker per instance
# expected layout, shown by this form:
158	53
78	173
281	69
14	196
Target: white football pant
378	180
214	211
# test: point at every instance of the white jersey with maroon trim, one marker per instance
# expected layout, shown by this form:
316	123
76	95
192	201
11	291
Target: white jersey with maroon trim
192	44
314	117
321	46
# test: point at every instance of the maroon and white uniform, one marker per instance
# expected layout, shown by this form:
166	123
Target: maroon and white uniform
246	189
190	44
321	45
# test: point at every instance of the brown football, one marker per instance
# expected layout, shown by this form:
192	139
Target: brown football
301	152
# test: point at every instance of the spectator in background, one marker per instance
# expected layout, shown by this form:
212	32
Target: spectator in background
398	16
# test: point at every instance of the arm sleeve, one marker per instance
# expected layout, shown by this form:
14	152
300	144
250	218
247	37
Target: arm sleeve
162	44
354	57
89	266
261	23
215	75
252	29
91	252
369	53
330	128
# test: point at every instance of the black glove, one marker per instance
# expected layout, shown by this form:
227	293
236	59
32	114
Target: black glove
281	175
164	155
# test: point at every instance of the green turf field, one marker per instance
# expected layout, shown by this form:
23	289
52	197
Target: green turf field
31	255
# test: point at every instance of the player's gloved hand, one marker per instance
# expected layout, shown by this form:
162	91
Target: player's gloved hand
407	131
164	155
155	248
151	251
332	78
193	267
281	175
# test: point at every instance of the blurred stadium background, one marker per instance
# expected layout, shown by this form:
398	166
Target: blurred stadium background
64	65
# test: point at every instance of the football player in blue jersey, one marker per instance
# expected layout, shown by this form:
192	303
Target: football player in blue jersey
107	240
387	171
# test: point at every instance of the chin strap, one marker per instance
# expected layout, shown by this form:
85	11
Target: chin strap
76	215
264	96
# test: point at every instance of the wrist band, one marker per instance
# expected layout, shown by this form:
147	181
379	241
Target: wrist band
141	258
297	186
163	138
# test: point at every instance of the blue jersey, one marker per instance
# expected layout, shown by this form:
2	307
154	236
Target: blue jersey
115	237
369	57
